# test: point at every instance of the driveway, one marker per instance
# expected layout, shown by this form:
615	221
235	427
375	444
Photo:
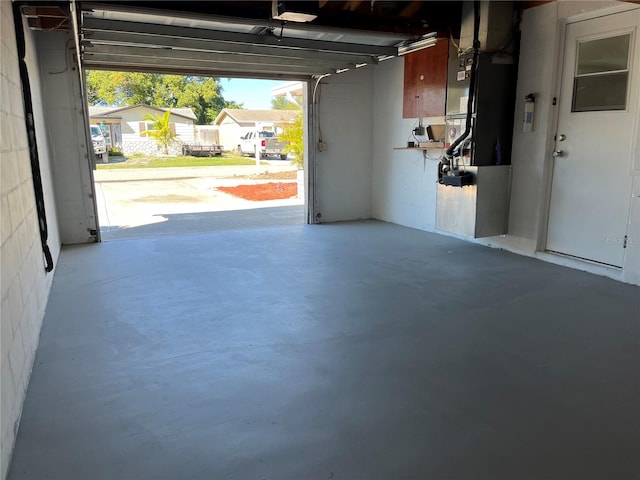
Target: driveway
161	201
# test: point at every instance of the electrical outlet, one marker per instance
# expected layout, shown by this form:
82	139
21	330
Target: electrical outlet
322	146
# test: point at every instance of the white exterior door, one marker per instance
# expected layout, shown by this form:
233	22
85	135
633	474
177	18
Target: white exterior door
591	189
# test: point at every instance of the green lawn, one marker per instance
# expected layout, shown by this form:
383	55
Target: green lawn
142	161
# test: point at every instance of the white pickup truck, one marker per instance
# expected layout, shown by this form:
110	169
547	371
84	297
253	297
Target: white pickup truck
266	143
99	144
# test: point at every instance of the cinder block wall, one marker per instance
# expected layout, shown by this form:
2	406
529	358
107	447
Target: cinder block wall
24	284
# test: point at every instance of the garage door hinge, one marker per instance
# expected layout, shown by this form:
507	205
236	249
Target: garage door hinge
624	243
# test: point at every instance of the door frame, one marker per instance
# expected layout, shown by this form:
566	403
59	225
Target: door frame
554	118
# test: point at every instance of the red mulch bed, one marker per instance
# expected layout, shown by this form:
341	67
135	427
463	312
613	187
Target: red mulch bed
263	191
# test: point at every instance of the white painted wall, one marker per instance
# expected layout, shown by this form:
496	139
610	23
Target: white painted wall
343	172
44	148
540	56
404	183
403	186
66	128
24	284
536	74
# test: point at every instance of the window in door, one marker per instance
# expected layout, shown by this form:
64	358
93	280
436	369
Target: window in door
106	133
602	74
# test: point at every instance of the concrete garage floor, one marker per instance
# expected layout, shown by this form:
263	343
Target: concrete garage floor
349	351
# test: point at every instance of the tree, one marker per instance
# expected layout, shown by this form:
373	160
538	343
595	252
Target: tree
161	131
120	88
283	103
202	94
293	134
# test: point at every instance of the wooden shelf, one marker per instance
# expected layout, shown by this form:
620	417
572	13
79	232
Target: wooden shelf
434	145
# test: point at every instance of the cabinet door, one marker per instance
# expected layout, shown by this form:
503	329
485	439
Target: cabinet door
425	81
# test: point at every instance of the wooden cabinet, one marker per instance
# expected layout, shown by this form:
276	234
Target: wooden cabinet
425	81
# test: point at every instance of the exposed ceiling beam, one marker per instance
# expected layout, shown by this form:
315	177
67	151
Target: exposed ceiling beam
48	23
383	16
44	11
411	9
352	5
135	28
420	16
98	9
47	17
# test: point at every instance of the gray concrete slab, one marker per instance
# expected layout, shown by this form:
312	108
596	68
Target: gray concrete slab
162	223
168	201
347	351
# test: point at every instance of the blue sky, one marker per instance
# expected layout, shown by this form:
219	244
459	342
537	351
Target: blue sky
255	94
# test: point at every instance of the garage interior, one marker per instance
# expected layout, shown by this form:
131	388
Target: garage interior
255	360
375	341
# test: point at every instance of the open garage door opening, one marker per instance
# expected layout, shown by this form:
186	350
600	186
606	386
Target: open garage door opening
248	40
185	154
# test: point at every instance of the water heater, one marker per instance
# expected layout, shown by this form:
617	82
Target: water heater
474	175
489	142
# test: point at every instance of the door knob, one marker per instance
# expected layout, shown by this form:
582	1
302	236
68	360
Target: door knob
558	153
562	138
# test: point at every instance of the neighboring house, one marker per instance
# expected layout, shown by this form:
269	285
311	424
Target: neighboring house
125	128
292	91
233	123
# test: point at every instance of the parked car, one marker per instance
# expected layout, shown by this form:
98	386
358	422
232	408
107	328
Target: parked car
99	144
264	142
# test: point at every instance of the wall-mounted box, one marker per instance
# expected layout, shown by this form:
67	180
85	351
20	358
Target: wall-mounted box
477	210
425	81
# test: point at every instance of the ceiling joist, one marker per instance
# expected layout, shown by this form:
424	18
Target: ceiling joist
47	17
